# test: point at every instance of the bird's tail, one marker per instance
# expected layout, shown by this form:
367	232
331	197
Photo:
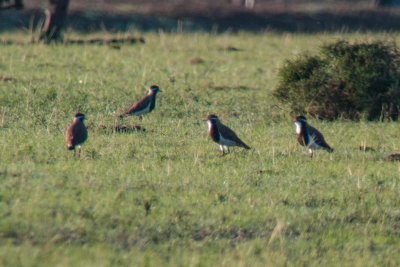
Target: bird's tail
329	149
245	146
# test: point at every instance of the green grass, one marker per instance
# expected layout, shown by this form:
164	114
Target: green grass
206	210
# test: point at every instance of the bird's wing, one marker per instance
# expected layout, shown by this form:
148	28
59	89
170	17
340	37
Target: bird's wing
318	138
69	136
228	133
80	133
76	134
142	104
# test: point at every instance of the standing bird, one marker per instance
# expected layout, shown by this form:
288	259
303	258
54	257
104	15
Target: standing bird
145	105
309	136
223	135
76	133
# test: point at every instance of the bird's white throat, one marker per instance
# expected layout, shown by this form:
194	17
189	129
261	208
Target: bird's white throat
298	127
209	125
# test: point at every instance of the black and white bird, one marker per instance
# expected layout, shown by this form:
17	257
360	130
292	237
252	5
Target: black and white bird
223	135
145	105
76	133
310	137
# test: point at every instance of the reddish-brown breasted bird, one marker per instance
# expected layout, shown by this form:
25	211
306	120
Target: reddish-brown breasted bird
223	135
145	105
76	133
310	137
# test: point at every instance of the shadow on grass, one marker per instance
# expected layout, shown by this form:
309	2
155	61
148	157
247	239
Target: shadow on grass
119	128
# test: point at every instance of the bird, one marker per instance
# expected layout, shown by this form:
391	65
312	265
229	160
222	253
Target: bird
76	133
223	135
309	136
145	105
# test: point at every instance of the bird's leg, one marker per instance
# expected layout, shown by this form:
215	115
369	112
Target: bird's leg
311	153
227	149
79	152
221	147
140	117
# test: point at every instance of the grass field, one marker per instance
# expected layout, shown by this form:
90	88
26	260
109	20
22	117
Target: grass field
270	206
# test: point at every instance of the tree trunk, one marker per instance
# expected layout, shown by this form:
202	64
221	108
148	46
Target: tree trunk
55	19
249	4
246	3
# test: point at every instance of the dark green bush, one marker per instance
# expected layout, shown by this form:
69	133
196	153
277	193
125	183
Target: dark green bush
345	80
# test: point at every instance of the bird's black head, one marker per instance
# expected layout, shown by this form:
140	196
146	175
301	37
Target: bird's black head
80	116
301	118
212	118
154	89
